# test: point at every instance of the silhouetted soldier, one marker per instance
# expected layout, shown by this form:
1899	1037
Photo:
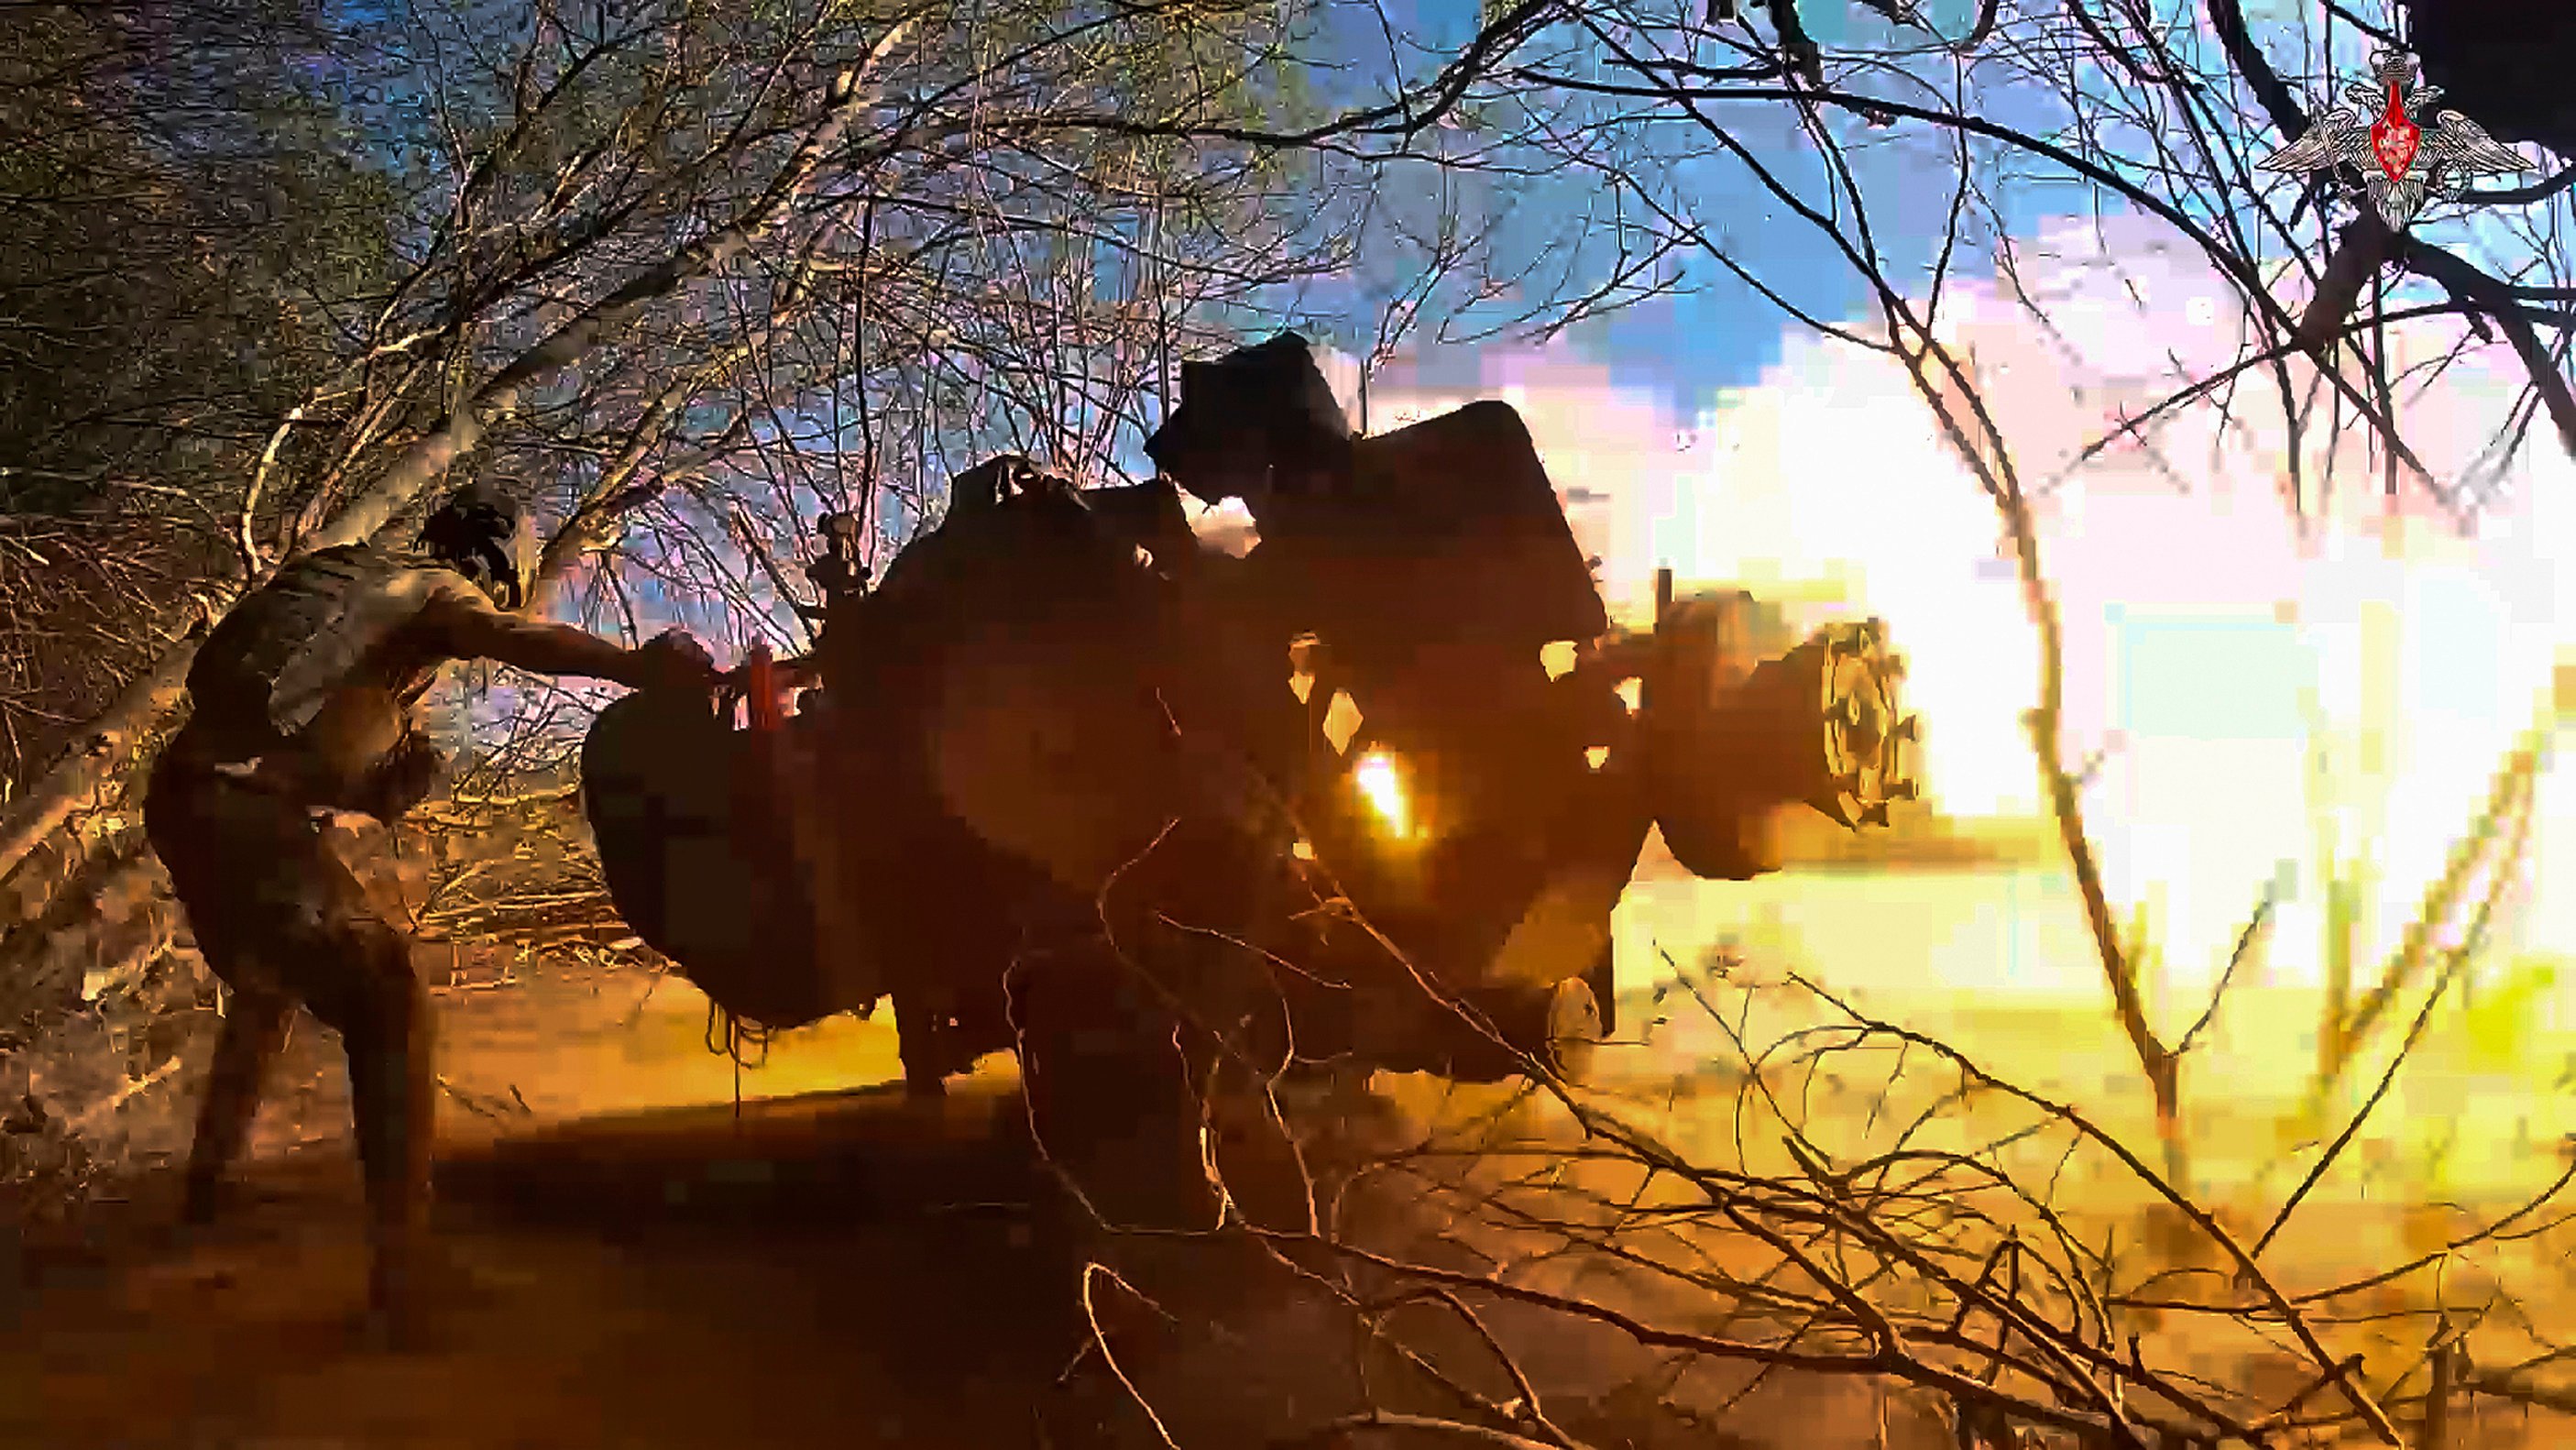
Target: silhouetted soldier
303	705
838	570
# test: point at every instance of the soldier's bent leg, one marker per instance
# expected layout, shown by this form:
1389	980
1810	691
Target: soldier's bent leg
381	1011
255	1024
280	915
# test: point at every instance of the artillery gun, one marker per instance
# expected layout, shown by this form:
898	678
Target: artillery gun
1157	817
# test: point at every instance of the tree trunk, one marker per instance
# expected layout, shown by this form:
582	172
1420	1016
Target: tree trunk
85	775
95	923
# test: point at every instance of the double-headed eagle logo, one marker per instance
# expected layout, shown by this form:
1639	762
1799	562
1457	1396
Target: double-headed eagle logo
2401	163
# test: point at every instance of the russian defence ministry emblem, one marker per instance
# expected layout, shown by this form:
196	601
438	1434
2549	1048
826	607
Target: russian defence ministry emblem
2402	163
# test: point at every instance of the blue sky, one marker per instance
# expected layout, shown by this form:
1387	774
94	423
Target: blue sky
1721	334
1725	335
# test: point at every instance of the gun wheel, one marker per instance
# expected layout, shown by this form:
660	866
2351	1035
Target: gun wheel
1866	734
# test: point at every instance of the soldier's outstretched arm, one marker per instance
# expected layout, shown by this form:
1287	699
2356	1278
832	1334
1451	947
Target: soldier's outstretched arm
464	628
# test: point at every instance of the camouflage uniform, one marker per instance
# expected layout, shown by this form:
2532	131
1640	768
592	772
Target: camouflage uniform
235	809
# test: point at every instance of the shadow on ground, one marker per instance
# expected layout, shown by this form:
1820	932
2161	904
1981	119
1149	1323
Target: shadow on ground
844	1269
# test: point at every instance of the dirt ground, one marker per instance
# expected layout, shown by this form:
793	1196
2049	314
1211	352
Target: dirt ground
650	1266
647	1265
